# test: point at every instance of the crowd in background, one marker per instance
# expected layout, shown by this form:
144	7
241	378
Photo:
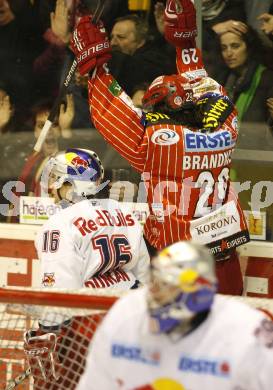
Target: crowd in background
237	45
237	41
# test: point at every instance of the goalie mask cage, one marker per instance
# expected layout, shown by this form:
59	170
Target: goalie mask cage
20	310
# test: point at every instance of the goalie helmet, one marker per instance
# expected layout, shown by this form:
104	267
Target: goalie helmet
183	284
168	92
80	167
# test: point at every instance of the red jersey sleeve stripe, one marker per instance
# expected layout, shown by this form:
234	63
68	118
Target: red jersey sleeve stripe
111	116
108	130
125	125
127	155
118	123
115	105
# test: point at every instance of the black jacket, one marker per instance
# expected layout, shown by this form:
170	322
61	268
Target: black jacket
147	63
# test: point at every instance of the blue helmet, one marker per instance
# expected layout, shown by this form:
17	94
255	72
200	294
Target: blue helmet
183	284
81	167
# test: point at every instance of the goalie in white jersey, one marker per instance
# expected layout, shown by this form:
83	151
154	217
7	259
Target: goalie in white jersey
92	243
176	334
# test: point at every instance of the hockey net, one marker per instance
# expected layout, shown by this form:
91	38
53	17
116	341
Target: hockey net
20	310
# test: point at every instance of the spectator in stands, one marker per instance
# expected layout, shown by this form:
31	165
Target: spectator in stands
112	10
129	56
255	8
32	169
219	16
6	111
78	89
246	79
49	64
129	33
133	51
266	20
50	67
138	93
156	29
20	39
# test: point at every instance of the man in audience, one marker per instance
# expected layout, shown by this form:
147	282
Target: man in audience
135	58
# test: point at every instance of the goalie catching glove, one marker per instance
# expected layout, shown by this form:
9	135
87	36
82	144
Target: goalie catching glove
180	23
42	355
90	44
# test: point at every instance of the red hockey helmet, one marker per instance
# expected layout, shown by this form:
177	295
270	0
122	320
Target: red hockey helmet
169	91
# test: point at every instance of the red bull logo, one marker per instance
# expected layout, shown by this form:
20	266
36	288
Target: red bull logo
75	160
79	162
49	279
162	384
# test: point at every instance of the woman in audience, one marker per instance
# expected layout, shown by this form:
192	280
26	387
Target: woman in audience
248	81
219	16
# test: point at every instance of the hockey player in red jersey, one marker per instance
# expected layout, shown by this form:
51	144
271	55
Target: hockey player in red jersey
182	147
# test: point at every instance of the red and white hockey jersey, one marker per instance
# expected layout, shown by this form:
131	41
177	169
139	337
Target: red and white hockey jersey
92	244
231	350
186	172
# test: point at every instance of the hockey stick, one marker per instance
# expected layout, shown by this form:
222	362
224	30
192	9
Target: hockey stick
19	379
37	147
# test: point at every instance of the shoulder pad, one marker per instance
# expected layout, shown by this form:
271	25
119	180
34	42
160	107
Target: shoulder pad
214	110
153	118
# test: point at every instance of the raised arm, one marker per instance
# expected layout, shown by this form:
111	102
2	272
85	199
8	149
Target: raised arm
112	110
180	30
214	108
116	118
